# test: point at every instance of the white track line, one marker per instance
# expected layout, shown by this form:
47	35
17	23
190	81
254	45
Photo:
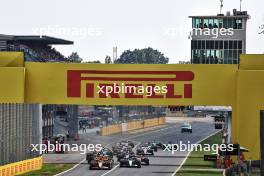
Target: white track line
190	153
70	168
110	170
137	145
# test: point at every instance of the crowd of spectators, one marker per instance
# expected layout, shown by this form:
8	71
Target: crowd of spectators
47	53
38	52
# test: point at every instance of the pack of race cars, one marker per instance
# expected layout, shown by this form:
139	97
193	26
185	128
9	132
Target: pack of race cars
124	153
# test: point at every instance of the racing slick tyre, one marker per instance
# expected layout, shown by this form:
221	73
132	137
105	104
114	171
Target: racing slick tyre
147	163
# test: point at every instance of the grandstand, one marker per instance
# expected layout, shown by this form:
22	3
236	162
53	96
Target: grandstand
35	48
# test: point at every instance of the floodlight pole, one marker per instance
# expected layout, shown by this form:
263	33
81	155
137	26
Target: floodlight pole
221	6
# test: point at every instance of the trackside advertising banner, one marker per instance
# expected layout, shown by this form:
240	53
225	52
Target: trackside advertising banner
122	84
12	84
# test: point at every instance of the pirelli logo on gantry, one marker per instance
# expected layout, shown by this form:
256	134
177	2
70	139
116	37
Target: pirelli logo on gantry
128	84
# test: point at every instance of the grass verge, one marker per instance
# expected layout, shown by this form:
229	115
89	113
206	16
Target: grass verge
196	161
49	170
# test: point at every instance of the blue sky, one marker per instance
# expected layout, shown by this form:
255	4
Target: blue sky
96	26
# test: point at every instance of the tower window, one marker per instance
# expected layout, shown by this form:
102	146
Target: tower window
239	44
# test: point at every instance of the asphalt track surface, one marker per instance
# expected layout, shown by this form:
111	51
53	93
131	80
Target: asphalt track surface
163	163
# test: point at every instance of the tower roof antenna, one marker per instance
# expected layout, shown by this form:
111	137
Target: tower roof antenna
240	4
221	6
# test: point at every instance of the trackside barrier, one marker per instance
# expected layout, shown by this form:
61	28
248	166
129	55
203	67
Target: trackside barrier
161	120
111	129
134	125
21	167
151	122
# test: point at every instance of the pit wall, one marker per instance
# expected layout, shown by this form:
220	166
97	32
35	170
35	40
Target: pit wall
130	126
21	167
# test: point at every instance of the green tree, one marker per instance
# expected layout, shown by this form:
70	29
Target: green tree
74	57
142	56
108	60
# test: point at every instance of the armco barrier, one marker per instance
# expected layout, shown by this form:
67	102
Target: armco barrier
162	121
21	167
133	125
111	129
151	122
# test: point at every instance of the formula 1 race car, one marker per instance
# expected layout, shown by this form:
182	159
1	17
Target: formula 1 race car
93	155
128	143
101	162
130	161
153	146
124	154
90	156
145	150
116	149
159	144
122	148
106	152
144	160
